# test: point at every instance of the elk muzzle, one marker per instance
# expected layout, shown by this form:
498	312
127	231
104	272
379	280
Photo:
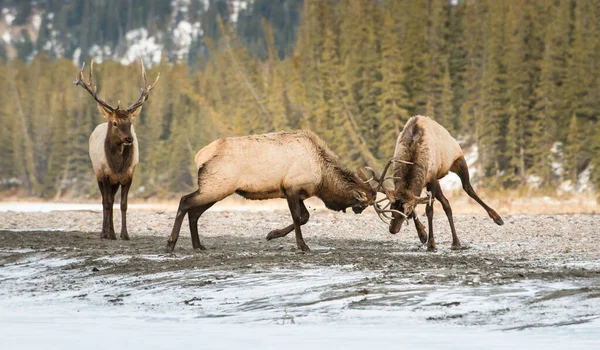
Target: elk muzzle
357	209
396	224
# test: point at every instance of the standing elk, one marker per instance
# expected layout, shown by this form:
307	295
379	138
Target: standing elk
291	165
425	152
113	149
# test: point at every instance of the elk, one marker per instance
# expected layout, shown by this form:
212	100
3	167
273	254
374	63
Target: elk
113	149
425	152
291	165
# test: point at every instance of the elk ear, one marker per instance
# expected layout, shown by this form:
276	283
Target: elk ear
106	113
134	113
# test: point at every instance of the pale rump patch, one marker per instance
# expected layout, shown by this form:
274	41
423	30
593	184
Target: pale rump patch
98	156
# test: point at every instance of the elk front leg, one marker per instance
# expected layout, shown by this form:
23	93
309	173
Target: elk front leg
103	233
294	204
193	216
186	202
448	210
108	231
429	211
462	170
113	192
420	228
124	193
304	216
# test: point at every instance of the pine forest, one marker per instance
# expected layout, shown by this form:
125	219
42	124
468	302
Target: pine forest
517	80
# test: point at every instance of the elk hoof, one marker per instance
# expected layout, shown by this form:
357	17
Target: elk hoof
423	239
274	234
431	248
303	247
125	236
200	247
456	247
108	235
498	221
170	247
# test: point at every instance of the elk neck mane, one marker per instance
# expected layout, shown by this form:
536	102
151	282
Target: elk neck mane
411	146
338	181
118	156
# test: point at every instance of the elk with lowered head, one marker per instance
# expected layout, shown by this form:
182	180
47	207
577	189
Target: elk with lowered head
425	152
113	149
291	165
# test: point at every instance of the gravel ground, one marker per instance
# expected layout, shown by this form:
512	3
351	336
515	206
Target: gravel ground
525	247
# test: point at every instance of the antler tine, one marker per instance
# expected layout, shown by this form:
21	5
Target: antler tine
145	89
89	87
402	161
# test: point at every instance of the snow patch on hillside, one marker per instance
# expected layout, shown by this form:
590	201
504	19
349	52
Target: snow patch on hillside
236	7
140	45
8	15
183	35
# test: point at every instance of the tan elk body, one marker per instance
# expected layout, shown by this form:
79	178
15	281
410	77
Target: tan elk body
100	161
426	152
114	151
292	165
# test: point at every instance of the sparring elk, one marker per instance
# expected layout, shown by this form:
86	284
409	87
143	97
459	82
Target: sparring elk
291	165
113	149
425	152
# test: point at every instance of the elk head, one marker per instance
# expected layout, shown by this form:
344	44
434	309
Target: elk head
401	202
365	194
119	120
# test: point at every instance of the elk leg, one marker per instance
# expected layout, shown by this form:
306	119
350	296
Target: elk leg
108	231
188	201
193	216
124	193
420	228
461	169
294	204
429	211
448	210
104	210
304	216
113	192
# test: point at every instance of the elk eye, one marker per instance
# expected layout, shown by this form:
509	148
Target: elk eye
114	123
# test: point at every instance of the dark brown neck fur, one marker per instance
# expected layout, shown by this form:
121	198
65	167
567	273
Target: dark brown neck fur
338	183
410	178
118	156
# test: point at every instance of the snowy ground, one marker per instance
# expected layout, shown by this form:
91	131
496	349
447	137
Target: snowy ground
533	283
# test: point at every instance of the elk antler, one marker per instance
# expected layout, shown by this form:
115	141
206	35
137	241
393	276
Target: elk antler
91	88
381	212
145	89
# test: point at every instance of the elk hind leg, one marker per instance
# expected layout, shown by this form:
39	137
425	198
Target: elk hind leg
282	232
193	216
448	210
294	204
462	170
185	204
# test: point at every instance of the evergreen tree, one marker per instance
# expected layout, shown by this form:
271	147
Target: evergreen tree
572	150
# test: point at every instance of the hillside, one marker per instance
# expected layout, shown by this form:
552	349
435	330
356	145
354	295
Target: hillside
124	30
